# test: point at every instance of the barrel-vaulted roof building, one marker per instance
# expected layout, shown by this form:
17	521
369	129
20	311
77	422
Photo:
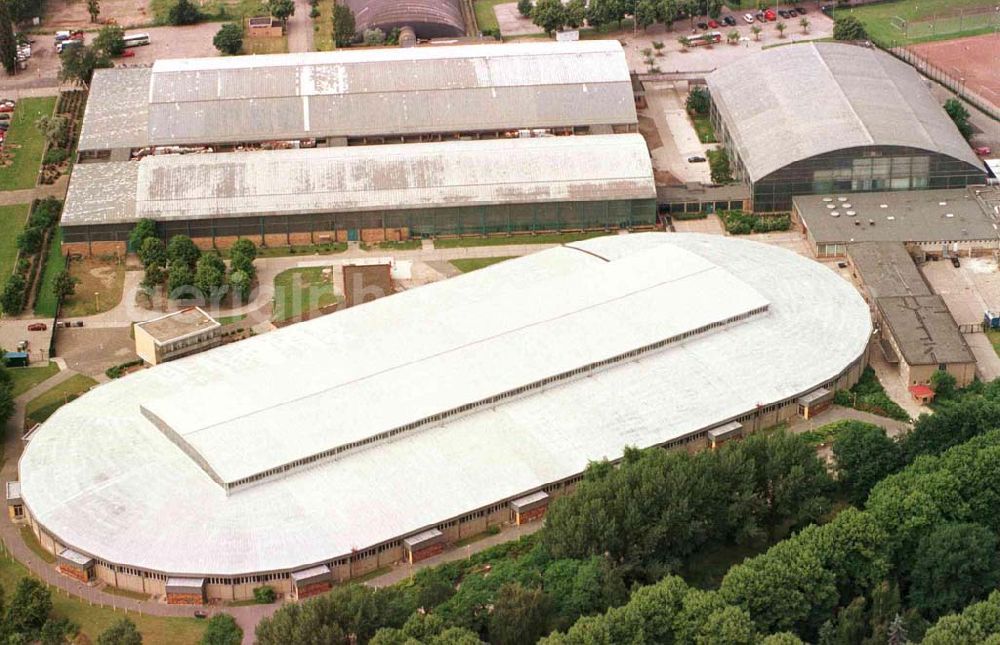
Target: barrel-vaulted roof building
830	117
323	450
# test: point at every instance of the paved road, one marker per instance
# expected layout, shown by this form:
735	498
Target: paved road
299	28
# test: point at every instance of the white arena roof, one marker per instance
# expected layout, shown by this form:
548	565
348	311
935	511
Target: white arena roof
692	330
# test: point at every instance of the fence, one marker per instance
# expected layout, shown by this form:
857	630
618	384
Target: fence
954	83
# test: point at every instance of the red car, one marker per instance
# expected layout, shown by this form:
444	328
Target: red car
770	15
37	327
982	151
713	24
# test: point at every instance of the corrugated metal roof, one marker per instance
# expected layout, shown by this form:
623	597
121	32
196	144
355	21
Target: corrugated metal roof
117	109
790	103
390	91
362	178
122	490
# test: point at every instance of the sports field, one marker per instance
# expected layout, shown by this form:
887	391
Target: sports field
905	21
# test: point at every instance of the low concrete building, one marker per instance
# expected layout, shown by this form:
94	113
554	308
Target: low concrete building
176	334
922	333
958	221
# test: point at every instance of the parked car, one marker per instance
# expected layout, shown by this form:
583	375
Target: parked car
696	159
748	18
955	262
37	327
713	24
982	151
702	25
729	20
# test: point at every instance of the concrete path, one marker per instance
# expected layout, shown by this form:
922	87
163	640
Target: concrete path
839	413
298	28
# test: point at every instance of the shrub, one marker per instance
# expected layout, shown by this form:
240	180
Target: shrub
55	156
265	595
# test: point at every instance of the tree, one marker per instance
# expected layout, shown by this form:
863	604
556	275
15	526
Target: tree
210	276
229	39
143	228
64	285
343	25
756	32
180	282
79	63
122	632
550	15
959	115
182	251
944	385
184	12
222	630
8	45
12	298
804	23
524	8
955	565
29	241
111	40
94	9
519	614
152	252
29	608
781	27
848	27
865	456
697	101
53	128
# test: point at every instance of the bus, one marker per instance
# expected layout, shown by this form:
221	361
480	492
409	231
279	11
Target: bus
709	38
136	40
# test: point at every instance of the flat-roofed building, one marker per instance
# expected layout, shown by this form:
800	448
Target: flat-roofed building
958	221
366	193
363	96
249	463
176	334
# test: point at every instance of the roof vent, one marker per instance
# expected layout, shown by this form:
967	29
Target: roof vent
949	214
834	213
851	213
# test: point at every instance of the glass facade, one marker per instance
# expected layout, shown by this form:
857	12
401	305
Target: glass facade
867	169
481	220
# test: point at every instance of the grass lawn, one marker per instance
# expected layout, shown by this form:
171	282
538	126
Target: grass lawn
214	10
12	220
55	262
103	277
702	125
42	406
297	291
877	18
93	619
485	17
26	378
26	143
472	264
501	240
323	27
277	45
403	245
308	249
